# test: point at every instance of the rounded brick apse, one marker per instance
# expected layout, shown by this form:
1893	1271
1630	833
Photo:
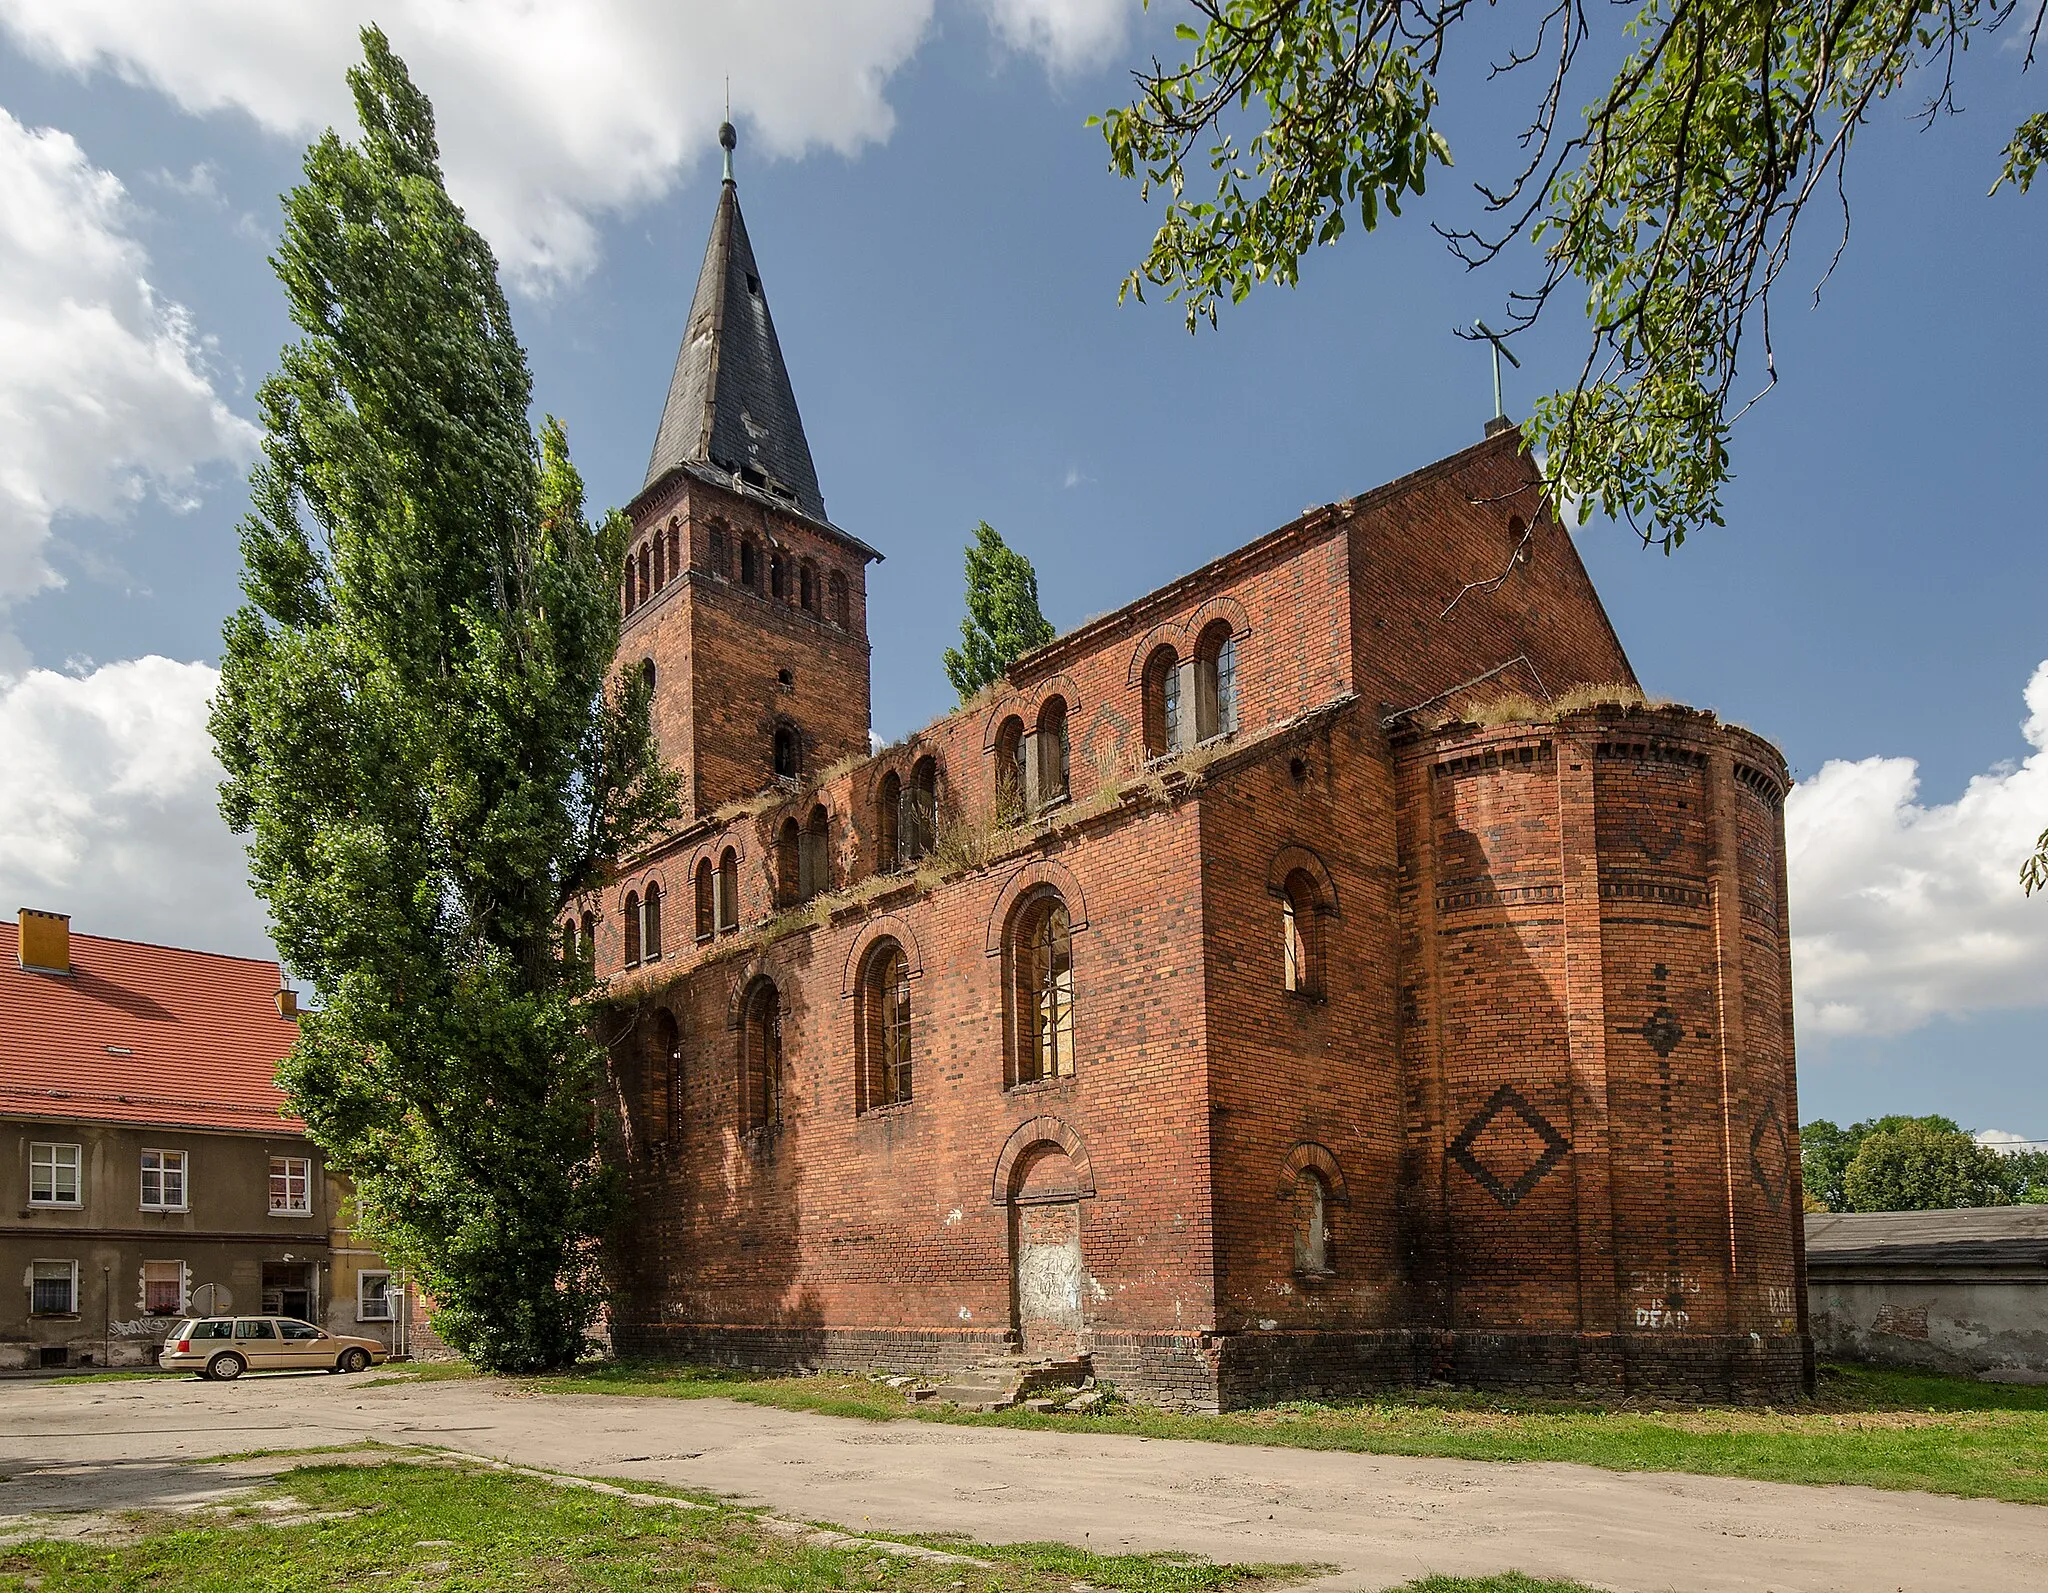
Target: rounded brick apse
1597	1018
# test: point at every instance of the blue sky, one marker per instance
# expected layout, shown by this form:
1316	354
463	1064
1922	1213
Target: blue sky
941	244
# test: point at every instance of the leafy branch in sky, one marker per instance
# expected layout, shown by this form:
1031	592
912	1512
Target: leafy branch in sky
1667	211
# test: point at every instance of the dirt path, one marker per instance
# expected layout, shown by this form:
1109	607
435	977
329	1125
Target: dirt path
1380	1520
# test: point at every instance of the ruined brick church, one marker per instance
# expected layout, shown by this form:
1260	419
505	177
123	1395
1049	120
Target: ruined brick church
1293	982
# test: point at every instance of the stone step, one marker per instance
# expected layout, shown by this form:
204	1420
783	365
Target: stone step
1001	1381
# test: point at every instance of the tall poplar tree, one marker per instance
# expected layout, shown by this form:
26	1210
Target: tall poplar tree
1003	621
423	741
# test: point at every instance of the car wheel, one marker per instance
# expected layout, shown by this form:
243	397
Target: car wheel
226	1368
354	1360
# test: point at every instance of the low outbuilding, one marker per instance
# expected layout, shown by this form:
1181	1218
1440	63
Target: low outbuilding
1948	1291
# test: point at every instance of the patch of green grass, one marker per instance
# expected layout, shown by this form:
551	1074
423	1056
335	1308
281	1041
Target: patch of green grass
464	1529
122	1375
1870	1426
422	1372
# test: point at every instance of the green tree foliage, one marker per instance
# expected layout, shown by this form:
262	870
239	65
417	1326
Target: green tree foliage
1827	1152
1667	211
1915	1166
421	741
1003	621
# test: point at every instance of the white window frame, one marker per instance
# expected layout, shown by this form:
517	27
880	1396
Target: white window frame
164	1172
184	1287
52	1261
363	1313
305	1166
55	1162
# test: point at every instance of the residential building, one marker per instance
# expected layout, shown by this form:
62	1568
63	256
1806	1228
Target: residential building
154	1171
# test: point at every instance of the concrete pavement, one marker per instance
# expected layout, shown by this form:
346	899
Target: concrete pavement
1379	1520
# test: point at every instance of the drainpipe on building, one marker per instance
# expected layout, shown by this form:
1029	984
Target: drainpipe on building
106	1316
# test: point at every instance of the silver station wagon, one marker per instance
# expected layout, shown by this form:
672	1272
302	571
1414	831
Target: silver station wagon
225	1347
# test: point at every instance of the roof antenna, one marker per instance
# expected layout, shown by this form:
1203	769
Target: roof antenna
727	138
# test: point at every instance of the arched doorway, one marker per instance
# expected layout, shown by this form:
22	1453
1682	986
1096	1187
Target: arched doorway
1047	1278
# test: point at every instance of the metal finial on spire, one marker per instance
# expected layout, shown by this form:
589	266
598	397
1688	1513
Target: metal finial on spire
728	135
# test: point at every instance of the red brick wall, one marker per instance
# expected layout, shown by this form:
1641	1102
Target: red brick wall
1287	1070
1419	543
886	1218
1575	927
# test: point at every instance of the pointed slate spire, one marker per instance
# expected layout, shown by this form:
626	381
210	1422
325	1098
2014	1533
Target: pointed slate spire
730	403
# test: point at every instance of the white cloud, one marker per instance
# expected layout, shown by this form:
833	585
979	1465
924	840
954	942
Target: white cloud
2003	1140
107	807
104	387
1068	35
1902	912
551	112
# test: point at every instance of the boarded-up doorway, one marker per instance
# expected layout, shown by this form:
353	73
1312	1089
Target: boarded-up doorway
1045	1249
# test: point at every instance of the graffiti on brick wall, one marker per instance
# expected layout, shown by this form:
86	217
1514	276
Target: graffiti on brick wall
1664	1299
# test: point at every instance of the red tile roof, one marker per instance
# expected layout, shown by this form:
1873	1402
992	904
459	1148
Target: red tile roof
144	1034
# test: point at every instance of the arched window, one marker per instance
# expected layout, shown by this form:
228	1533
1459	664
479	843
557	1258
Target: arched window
589	949
808	576
568	940
632	929
646	570
660	561
718	555
789	851
1215	681
675	548
885	1025
1042	989
789	752
1010	784
650	924
647	676
664	1078
707	900
778	576
1162	702
836	597
761	1059
814	869
1311	1225
627	597
728	891
920	821
888	822
1301	935
1052	751
750	564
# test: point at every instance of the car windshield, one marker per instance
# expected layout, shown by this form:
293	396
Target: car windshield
182	1331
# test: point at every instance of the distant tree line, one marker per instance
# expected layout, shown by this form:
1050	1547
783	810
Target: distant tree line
1914	1164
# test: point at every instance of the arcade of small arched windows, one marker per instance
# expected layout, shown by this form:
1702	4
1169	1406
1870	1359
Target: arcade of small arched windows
1188	701
659	559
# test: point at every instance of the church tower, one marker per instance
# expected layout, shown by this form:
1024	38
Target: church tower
743	603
